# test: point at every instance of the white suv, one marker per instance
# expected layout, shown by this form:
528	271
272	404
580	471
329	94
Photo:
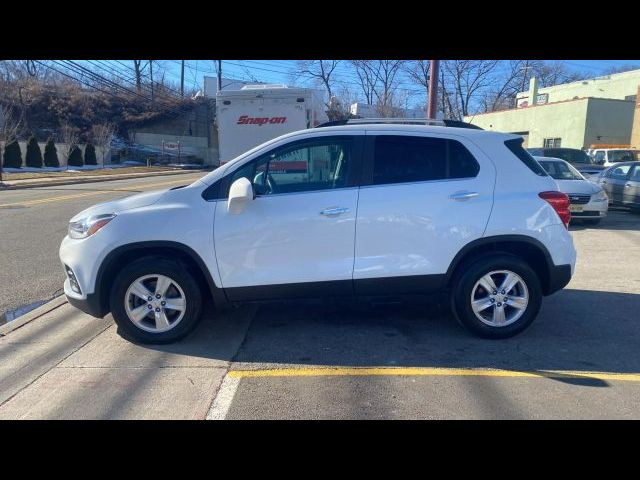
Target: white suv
362	209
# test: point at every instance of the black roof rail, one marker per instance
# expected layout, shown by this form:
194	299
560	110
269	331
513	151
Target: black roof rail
407	121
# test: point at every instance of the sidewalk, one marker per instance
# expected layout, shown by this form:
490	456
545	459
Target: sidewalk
62	364
57	181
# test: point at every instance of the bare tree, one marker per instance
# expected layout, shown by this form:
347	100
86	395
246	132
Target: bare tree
367	77
418	71
467	80
386	73
378	82
550	74
138	69
322	71
627	67
102	137
69	137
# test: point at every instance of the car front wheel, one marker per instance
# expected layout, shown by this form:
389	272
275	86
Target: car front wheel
154	300
497	297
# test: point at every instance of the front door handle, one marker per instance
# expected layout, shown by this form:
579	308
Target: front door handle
463	196
627	185
334	211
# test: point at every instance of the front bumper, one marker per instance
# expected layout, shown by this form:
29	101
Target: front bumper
592	209
88	303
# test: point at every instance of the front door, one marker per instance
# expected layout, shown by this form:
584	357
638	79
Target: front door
297	235
631	195
427	196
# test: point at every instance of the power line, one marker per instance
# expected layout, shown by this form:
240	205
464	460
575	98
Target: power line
92	85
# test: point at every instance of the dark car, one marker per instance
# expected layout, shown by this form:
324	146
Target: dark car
622	184
578	158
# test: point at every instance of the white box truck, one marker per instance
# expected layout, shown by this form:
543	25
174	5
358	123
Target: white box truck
257	113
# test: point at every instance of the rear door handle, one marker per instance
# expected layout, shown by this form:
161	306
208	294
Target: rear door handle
334	211
463	196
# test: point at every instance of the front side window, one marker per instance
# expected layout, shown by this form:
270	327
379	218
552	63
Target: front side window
402	159
318	164
599	157
620	172
635	175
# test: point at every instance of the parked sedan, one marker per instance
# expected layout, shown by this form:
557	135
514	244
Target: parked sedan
622	184
588	201
579	159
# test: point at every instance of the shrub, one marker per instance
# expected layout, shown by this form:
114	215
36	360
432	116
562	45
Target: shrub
90	155
75	157
33	157
51	154
12	155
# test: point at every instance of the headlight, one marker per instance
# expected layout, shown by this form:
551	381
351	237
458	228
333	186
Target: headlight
601	196
85	227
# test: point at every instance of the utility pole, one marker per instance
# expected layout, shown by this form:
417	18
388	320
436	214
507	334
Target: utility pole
219	75
524	77
182	80
433	89
151	75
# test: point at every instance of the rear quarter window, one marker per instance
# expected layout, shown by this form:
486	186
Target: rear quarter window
515	146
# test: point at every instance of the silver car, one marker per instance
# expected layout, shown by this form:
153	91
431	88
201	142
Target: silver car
622	184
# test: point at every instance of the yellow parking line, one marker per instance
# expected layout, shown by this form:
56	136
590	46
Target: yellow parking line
428	371
61	198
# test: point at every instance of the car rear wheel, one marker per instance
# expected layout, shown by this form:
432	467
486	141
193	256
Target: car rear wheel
154	300
497	297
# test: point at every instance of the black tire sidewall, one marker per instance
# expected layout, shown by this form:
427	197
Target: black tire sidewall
461	297
148	266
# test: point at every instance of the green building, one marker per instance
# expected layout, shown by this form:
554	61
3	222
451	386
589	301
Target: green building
577	115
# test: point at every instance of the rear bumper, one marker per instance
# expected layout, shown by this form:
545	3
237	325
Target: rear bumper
559	277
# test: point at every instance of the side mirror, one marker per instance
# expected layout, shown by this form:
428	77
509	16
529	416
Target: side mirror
240	193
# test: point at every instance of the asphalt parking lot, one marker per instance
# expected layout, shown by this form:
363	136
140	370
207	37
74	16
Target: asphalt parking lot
351	360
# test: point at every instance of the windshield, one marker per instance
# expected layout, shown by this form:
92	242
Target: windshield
622	156
569	155
561	170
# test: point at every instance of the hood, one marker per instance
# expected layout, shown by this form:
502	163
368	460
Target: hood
116	206
578	186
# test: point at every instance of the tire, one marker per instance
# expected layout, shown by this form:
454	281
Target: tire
515	320
152	328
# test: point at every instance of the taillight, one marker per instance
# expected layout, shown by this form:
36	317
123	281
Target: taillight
560	203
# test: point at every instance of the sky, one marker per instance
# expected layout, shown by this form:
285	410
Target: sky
281	71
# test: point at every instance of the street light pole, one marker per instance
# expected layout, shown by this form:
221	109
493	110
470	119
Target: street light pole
433	89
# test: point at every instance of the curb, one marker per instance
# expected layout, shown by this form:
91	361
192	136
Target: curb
32	315
108	178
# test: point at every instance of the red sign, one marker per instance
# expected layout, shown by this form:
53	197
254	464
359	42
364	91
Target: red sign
246	120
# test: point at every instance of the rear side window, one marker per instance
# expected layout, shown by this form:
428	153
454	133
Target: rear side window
516	148
402	159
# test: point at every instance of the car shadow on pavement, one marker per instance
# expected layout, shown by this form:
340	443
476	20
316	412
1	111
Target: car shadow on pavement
577	330
618	219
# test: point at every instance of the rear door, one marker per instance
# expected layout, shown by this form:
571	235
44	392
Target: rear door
422	198
631	192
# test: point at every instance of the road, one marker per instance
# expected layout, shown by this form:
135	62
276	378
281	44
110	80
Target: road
350	360
34	221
